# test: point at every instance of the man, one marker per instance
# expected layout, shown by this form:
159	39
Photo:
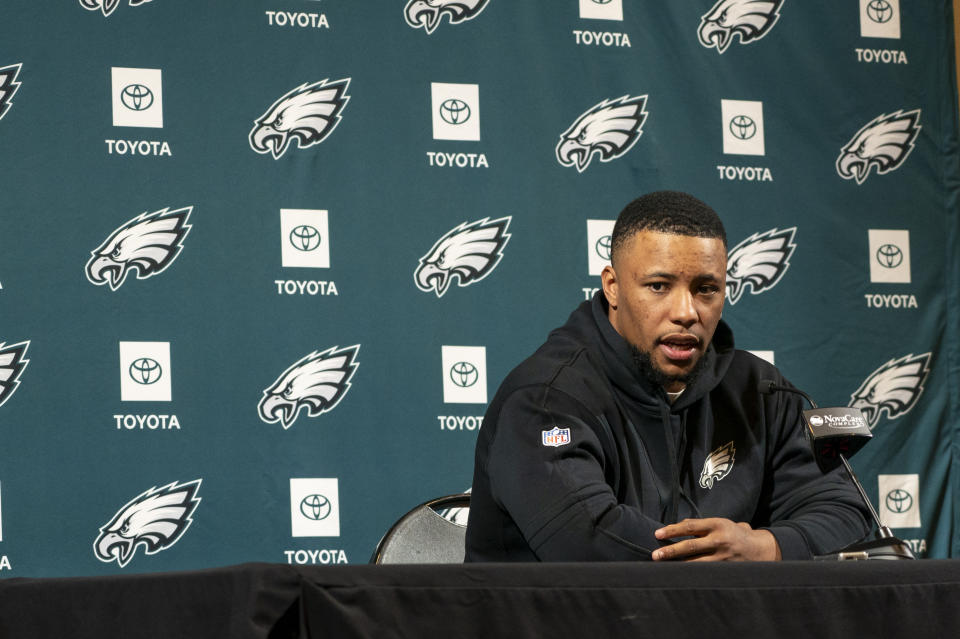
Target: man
637	431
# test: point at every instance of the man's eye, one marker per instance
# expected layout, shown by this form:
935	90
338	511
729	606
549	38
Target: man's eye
657	287
708	290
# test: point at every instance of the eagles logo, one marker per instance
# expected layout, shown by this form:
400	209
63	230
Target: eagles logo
894	387
306	115
468	252
427	13
146	245
155	519
8	86
884	143
12	362
760	261
607	129
748	19
718	465
315	383
107	6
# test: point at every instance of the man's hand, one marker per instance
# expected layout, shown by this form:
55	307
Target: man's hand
716	539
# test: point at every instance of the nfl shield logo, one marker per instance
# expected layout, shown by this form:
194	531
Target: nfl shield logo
556	436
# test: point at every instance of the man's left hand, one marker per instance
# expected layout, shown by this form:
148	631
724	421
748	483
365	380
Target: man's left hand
716	539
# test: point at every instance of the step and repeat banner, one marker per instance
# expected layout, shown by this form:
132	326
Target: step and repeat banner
264	263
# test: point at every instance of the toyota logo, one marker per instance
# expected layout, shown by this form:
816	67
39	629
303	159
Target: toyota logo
315	507
889	256
145	371
464	374
136	97
743	127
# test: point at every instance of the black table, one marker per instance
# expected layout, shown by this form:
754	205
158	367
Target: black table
269	601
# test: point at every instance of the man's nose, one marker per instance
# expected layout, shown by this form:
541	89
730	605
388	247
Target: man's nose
682	309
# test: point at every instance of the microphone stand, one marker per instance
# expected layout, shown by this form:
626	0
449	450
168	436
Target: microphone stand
884	546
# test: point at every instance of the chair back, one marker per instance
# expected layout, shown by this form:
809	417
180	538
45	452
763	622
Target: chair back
432	533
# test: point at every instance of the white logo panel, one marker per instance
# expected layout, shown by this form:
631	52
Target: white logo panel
599	244
145	372
314	507
899	500
766	356
889	256
304	238
601	9
137	97
456	111
880	19
464	374
742	127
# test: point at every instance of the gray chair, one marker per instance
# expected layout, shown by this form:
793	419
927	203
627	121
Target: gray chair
432	533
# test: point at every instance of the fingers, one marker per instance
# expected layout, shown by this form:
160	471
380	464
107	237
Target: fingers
691	548
689	528
715	539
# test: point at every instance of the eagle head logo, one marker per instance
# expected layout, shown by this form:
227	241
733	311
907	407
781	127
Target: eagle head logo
717	465
155	519
607	129
894	387
884	143
749	19
760	261
12	362
306	115
147	245
106	6
8	86
469	251
427	13
315	383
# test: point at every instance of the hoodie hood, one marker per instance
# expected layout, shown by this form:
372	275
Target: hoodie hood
589	323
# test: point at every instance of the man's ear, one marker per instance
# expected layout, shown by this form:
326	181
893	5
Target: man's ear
611	285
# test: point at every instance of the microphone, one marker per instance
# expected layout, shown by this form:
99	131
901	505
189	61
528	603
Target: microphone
836	433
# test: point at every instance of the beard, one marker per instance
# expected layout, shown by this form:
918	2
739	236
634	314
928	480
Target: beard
648	370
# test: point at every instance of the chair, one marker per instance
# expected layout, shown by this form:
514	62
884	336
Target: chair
432	533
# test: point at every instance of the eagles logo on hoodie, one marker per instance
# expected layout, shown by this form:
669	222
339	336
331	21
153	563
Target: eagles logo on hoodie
717	465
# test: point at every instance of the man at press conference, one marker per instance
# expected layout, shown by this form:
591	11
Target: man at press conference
638	432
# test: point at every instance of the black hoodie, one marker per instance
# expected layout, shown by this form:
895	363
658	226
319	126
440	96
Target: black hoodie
581	458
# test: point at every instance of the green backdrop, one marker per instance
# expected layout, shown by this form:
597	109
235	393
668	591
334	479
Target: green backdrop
263	263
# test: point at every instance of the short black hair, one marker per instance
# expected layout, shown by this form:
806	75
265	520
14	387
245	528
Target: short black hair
670	212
